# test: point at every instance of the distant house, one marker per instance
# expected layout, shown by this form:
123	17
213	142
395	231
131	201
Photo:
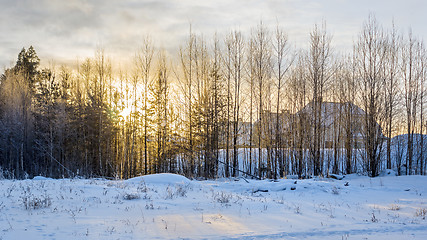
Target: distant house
269	126
336	121
270	130
244	134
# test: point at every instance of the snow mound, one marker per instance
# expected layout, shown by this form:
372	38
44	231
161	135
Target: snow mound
41	178
336	176
387	172
161	178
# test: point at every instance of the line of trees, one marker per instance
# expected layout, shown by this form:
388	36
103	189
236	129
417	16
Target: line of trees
226	107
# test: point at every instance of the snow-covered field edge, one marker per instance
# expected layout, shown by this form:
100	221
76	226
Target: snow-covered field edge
168	206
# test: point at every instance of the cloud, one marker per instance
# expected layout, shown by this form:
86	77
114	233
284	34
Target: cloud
65	30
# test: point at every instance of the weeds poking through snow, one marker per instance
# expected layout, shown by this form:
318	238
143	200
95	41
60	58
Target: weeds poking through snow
223	197
9	190
280	201
73	215
149	206
31	202
169	192
131	196
297	209
179	191
335	190
394	207
373	218
142	187
111	230
165	224
421	212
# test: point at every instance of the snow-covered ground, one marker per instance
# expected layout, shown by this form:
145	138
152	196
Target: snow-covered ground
167	206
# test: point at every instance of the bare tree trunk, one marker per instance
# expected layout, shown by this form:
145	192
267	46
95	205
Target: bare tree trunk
235	50
371	58
281	52
319	74
423	69
262	65
187	59
144	60
391	90
411	76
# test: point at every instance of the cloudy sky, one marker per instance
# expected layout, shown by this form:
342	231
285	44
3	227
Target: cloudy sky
67	30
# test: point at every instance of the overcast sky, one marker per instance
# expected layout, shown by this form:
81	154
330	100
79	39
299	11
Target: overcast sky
67	30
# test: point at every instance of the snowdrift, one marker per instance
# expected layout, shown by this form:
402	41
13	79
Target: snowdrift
161	178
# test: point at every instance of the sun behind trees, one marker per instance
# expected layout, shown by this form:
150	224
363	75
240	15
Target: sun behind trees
238	106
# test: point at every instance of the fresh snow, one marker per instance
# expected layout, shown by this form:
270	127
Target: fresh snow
161	178
169	206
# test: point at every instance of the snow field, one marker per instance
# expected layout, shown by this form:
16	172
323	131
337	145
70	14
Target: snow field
168	206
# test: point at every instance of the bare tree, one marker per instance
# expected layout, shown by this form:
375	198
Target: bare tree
202	105
423	76
214	118
412	70
160	106
319	73
234	66
411	89
261	50
371	57
391	87
186	80
350	121
283	62
251	82
144	62
297	96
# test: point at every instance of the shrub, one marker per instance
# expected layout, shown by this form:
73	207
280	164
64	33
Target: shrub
223	197
180	190
131	196
33	202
